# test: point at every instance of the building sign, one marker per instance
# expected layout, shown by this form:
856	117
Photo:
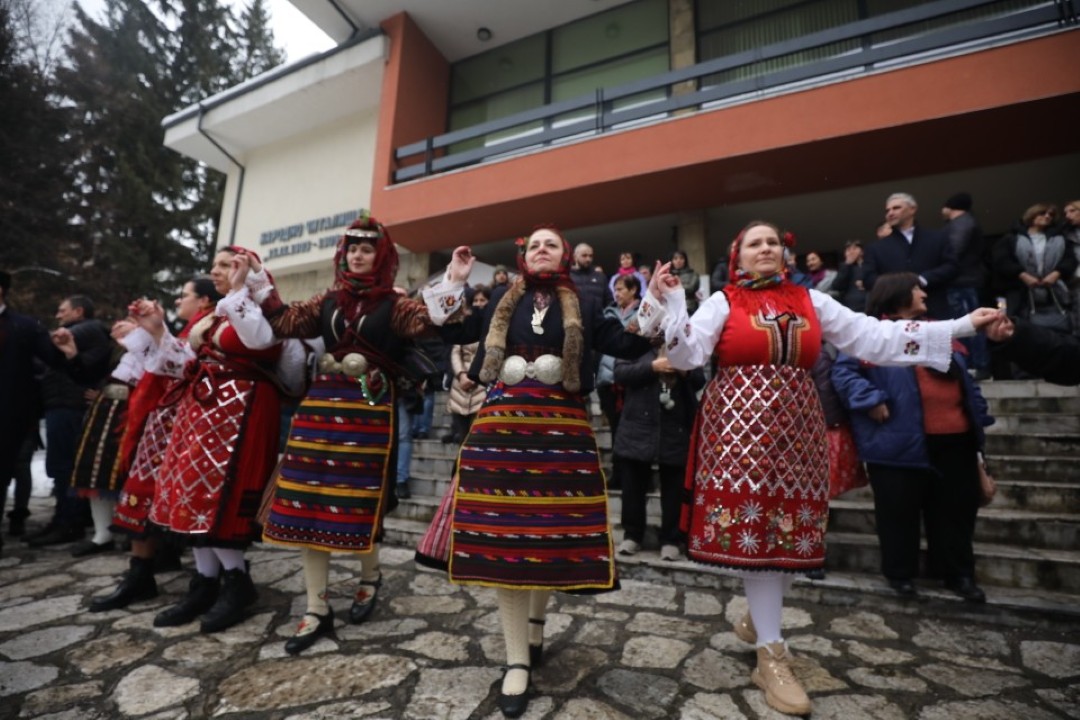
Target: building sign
306	236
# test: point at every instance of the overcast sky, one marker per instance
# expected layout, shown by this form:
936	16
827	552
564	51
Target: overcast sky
292	30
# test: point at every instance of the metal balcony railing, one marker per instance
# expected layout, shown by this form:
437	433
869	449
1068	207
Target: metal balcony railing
614	108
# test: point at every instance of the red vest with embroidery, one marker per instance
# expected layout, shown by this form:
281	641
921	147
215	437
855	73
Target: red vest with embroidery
770	336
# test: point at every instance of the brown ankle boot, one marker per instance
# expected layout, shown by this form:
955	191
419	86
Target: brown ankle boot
773	675
745	630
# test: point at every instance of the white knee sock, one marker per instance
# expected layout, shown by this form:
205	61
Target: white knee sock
206	562
514	611
316	578
369	566
765	595
101	510
231	559
538	600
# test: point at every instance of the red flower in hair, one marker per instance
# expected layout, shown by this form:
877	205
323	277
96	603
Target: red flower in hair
788	238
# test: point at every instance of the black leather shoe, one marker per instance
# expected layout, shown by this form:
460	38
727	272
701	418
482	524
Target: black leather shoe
17	523
201	596
138	584
56	536
402	491
447	439
311	628
904	588
364	603
237	594
89	547
966	588
513	706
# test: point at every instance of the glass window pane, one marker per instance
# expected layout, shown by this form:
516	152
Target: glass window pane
493	108
504	67
881	7
714	13
610	34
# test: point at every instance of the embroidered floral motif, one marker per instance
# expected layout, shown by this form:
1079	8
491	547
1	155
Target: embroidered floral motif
748	541
912	326
912	348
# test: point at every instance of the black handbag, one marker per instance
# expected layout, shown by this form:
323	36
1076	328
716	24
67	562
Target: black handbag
1048	315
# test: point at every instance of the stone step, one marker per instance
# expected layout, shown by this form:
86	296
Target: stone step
1035	496
1045	444
1034	423
1033	468
999	565
1003	526
1026	389
1042	405
839	586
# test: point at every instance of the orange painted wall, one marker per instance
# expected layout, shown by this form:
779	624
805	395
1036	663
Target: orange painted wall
415	96
669	166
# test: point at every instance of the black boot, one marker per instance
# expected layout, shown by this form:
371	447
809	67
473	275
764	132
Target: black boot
17	522
237	593
137	584
201	595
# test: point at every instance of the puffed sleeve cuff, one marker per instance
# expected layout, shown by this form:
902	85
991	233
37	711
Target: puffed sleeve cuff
233	302
650	316
963	327
129	369
259	285
443	299
292	366
137	341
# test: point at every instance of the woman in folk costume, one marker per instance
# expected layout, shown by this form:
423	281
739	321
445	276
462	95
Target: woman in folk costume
98	473
223	446
337	474
530	510
146	433
759	454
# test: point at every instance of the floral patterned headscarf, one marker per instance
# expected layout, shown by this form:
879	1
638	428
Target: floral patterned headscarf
558	278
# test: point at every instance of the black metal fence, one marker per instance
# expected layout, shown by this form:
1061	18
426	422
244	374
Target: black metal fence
598	113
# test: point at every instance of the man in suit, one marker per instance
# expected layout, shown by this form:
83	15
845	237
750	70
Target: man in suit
903	246
22	339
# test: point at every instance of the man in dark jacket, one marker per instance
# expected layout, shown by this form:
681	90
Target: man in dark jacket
588	279
64	396
903	246
1053	356
22	339
966	239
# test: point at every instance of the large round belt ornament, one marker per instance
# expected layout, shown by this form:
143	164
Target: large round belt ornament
354	364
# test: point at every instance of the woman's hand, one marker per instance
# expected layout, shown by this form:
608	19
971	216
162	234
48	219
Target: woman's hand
981	317
149	315
662	365
663	282
879	413
238	272
1051	278
461	264
1029	279
122	328
1001	330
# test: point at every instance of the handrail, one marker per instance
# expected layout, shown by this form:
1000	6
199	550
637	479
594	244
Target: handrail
603	116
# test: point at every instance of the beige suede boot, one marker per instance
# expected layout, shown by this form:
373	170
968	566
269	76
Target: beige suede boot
773	675
745	630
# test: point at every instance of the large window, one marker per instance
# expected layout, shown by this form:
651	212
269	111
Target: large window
618	46
727	28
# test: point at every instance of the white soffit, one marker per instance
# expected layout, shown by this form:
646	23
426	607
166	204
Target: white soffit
280	104
452	24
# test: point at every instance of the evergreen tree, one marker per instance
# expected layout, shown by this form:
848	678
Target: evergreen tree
34	178
257	50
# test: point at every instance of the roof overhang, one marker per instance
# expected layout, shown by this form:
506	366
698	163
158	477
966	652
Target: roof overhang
451	26
284	102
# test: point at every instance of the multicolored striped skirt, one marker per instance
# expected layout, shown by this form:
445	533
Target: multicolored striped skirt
97	461
531	510
332	486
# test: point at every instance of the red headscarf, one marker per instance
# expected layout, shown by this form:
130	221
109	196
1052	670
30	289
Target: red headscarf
558	278
358	293
753	292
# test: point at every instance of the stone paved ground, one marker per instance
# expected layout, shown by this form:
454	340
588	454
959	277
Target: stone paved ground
433	650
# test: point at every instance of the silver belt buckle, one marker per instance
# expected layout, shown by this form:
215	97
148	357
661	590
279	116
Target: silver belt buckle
513	370
547	369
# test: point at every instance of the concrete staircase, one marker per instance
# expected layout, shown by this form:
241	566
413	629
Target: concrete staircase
1027	542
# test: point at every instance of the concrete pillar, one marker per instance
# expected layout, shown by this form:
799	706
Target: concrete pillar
692	236
413	268
683	47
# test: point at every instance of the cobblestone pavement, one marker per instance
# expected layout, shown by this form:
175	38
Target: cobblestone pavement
434	650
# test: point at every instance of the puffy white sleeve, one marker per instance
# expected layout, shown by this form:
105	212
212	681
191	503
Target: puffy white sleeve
129	369
443	299
292	366
246	318
889	342
690	340
167	357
